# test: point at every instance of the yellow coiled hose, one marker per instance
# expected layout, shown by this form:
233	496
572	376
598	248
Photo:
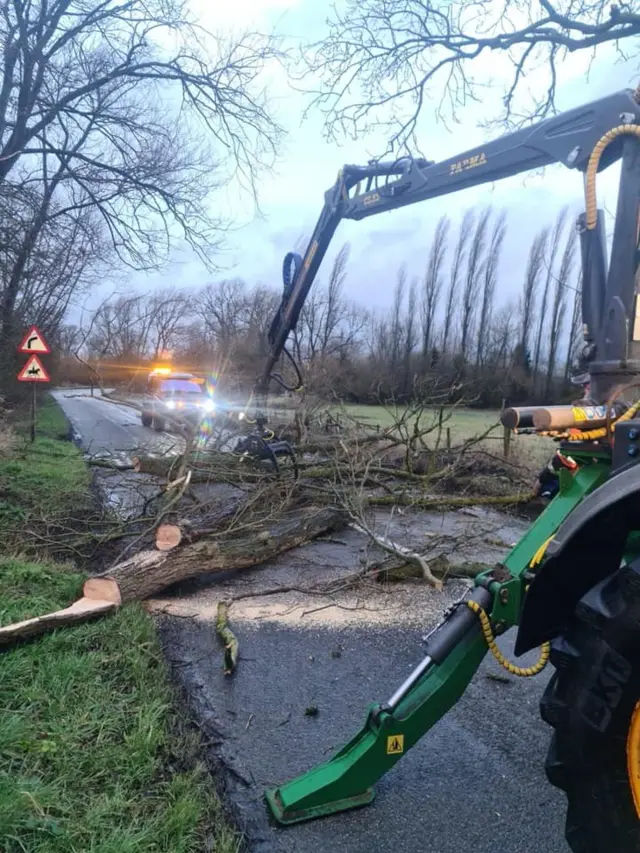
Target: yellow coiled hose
487	630
591	205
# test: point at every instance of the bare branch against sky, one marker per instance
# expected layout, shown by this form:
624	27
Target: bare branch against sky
118	119
385	62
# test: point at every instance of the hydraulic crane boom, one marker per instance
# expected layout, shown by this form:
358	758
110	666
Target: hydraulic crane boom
568	138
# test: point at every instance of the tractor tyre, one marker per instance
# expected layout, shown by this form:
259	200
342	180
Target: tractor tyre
593	703
146	419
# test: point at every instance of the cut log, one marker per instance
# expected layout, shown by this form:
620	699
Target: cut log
100	596
149	572
168	536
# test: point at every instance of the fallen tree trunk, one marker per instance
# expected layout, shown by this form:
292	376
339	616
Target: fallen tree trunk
158	466
149	572
446	502
337	443
204	468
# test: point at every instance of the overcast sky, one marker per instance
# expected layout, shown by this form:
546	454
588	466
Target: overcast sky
291	198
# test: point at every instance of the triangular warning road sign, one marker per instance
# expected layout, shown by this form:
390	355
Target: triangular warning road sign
33	371
33	341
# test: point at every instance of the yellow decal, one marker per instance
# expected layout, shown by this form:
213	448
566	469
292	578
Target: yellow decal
537	557
467	163
372	198
395	744
636	321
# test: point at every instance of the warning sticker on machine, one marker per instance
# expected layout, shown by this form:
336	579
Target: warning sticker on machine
395	744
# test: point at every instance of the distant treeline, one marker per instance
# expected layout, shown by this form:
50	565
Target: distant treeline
446	326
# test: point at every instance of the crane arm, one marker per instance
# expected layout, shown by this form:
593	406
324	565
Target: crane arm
362	191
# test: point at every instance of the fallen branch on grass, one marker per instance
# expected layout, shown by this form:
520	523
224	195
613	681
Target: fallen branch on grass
100	596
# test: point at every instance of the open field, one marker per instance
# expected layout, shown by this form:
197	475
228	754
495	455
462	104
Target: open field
463	424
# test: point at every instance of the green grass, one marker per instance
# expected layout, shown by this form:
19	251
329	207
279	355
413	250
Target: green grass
464	423
94	758
44	480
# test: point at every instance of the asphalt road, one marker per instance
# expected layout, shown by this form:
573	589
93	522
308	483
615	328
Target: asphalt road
475	782
103	427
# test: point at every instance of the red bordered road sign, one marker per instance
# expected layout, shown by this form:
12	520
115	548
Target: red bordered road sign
33	371
34	341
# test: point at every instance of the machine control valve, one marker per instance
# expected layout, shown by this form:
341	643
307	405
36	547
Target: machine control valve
626	444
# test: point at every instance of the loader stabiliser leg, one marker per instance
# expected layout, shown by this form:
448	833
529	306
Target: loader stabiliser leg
454	652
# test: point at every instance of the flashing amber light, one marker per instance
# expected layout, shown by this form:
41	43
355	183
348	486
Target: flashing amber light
161	371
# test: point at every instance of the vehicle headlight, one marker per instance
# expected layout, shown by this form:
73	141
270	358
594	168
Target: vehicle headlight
241	416
171	404
208	405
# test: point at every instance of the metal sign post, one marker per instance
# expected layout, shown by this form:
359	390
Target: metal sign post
33	371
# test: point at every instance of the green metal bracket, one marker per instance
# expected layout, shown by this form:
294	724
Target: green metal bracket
347	780
572	491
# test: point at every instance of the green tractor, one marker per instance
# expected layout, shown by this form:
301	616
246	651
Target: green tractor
572	584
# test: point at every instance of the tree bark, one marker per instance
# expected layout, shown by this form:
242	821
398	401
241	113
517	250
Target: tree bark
149	572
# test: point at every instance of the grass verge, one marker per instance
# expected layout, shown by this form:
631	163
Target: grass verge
94	755
41	482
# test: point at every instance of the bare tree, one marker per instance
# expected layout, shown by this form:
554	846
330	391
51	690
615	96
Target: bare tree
552	246
472	283
383	62
562	284
504	332
410	335
334	301
168	309
489	281
130	109
535	265
454	277
396	331
222	308
432	285
575	328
